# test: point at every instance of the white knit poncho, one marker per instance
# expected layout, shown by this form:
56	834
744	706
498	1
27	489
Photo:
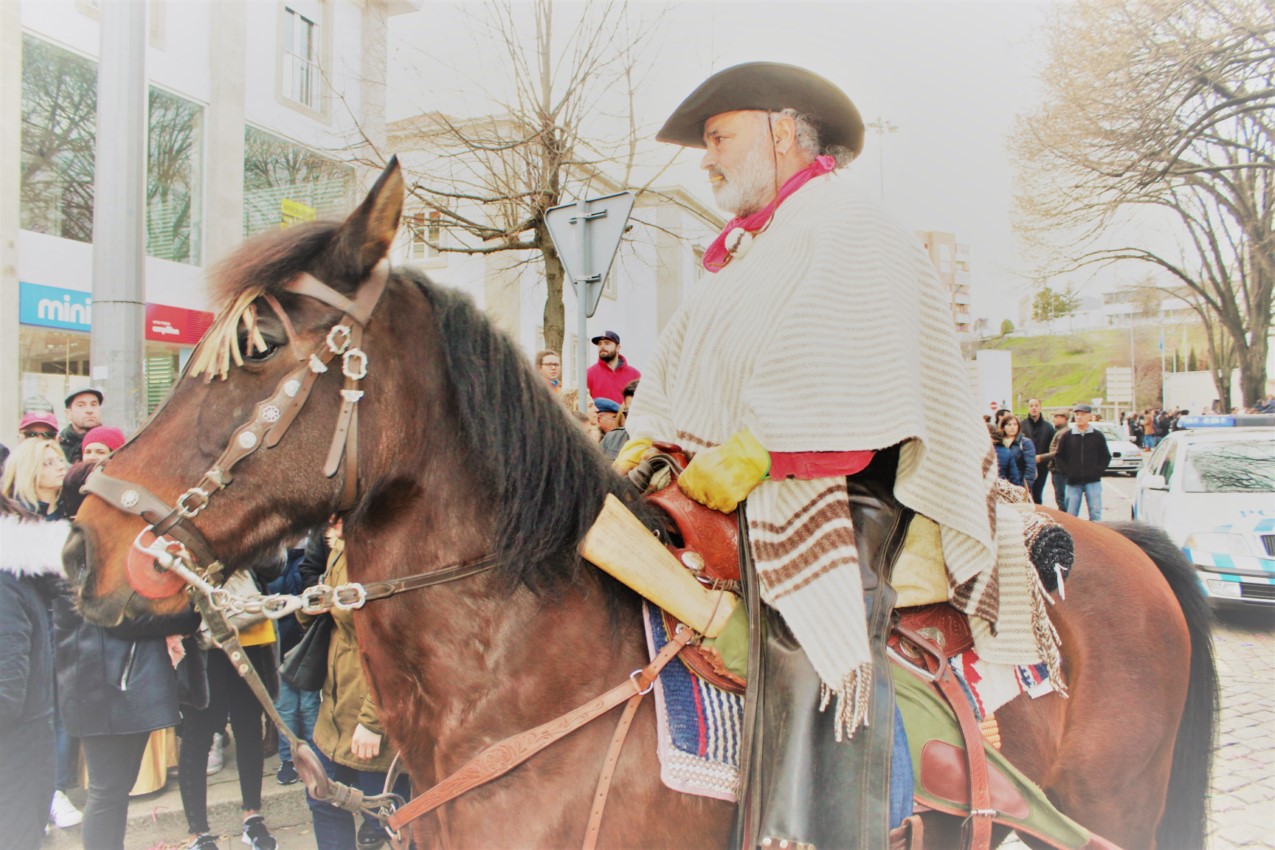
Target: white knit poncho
832	333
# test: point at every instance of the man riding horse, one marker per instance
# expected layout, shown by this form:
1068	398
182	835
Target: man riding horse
771	376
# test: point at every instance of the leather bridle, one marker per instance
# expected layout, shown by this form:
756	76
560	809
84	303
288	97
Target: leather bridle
270	420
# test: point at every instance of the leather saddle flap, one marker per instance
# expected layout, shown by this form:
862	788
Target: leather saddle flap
940	623
710	534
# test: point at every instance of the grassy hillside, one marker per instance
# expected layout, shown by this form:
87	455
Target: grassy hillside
1064	369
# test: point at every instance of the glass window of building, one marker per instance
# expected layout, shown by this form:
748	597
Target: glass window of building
300	58
174	179
59	120
285	183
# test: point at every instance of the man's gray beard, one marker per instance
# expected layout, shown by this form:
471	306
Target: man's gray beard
751	187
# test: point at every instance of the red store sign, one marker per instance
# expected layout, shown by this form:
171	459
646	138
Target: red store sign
176	324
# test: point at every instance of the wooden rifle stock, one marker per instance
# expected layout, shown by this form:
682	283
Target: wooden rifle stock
620	545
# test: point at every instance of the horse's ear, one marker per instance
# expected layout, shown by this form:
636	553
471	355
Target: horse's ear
369	232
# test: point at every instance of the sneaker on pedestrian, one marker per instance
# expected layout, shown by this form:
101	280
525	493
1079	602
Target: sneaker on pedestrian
205	841
370	837
217	755
256	836
63	812
287	774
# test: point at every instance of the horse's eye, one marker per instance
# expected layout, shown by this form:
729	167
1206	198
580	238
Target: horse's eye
254	353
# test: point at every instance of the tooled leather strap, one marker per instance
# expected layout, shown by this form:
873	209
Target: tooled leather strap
982	814
504	756
138	501
608	771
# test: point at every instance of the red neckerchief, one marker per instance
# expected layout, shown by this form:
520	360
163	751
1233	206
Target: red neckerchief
717	255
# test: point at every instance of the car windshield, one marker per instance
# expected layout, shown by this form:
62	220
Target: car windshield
1242	466
1112	433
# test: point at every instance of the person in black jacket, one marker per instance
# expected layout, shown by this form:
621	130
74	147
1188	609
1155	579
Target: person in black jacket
30	576
1082	457
1037	429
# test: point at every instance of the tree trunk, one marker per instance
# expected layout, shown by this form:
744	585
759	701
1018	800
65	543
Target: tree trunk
554	321
1252	360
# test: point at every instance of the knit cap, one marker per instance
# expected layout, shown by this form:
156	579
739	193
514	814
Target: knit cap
110	437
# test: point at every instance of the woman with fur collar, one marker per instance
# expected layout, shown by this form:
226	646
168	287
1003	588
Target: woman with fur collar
30	573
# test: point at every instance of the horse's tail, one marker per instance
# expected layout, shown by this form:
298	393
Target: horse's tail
1185	813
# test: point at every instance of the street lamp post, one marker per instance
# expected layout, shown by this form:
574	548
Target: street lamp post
882	126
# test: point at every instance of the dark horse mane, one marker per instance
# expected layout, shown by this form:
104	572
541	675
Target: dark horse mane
549	482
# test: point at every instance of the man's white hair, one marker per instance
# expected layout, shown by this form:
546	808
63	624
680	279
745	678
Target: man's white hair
807	135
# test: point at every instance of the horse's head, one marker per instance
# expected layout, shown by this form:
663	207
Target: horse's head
258	440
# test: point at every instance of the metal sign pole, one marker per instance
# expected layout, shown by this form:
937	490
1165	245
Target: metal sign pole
581	308
583	217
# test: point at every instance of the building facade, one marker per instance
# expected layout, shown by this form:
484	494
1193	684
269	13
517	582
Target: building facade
253	109
952	261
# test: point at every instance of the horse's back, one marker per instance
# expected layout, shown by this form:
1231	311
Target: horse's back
1104	752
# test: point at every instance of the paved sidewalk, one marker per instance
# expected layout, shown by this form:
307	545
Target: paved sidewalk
156	821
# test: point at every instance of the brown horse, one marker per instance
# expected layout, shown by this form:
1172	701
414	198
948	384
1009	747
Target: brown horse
460	454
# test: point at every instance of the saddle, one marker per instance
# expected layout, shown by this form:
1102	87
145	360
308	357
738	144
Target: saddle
706	542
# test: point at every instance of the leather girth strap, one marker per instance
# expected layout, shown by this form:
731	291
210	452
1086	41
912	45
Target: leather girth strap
504	756
978	827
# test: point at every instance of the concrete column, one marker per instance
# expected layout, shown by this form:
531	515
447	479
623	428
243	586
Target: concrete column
10	193
372	85
119	215
223	181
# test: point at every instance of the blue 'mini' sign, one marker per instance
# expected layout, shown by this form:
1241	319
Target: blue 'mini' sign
54	307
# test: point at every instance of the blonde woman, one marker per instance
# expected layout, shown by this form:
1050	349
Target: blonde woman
33	477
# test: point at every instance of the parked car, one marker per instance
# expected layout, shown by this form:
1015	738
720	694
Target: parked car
1125	456
1212	489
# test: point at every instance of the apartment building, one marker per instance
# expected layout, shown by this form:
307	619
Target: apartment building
254	110
952	260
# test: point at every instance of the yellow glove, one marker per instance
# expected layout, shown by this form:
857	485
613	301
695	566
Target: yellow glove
723	476
631	455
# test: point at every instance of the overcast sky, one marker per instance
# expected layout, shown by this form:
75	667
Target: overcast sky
950	74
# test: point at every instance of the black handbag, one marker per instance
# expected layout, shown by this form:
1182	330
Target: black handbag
305	667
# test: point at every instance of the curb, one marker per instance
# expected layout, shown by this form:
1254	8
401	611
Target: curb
157	820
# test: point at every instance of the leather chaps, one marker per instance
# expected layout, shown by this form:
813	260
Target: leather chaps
799	784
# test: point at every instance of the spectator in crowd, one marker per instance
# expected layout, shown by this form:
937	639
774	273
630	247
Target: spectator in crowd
1266	406
115	686
84	413
228	693
1037	429
33	477
1148	429
608	414
348	736
1082	456
618	436
1134	424
1060	418
30	577
43	426
549	365
609	376
1015	454
100	442
297	707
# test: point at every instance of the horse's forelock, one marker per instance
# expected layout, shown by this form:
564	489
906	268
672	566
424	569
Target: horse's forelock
270	260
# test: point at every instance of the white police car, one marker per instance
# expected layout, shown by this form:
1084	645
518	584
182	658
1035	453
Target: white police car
1125	456
1212	489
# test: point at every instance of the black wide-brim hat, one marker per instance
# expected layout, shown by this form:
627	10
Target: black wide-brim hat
772	87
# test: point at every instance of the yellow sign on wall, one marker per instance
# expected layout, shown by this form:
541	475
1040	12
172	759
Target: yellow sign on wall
291	212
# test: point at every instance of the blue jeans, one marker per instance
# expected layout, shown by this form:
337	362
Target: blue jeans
299	710
333	827
1149	441
1091	492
